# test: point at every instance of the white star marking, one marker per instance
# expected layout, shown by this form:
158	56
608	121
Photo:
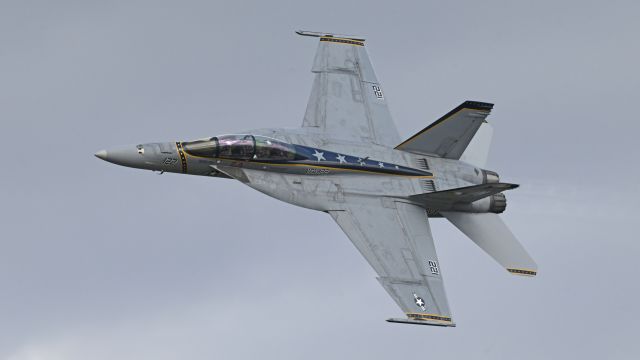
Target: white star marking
381	164
362	163
397	168
419	302
341	159
319	155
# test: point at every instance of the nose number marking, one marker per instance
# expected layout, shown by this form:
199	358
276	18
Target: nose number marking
170	161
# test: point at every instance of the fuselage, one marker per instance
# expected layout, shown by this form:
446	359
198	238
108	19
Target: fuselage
301	169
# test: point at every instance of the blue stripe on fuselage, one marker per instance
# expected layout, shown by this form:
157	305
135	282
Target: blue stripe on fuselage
320	157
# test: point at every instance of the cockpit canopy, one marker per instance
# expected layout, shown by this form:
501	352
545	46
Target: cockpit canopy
241	147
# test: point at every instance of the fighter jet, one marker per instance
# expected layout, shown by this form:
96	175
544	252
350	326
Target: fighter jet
347	160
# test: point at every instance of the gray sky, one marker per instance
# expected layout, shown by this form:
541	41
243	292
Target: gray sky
104	262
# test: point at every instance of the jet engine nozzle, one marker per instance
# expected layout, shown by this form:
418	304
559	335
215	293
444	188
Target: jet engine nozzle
496	203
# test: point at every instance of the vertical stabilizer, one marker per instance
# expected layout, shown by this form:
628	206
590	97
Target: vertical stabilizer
449	136
477	152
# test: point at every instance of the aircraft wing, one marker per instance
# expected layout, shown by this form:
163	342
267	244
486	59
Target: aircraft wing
347	101
396	240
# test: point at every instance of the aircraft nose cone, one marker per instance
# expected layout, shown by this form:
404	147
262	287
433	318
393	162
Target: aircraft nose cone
102	154
125	156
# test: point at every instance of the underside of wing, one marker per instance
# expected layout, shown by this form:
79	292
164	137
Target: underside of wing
396	240
347	102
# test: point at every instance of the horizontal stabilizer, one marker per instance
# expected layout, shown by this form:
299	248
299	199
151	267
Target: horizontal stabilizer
493	236
450	135
447	199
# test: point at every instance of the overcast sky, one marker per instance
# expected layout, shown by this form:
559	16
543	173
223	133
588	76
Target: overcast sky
105	262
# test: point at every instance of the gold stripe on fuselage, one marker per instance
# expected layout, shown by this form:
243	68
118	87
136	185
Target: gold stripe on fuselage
183	157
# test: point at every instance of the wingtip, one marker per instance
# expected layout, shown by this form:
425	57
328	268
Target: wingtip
327	34
523	272
478	105
420	322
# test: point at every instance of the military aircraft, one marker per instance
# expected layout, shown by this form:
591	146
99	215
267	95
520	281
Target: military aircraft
348	161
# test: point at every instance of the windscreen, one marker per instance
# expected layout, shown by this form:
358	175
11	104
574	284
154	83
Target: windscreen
205	148
243	147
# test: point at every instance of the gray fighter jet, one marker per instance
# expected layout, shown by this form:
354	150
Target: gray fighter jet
348	161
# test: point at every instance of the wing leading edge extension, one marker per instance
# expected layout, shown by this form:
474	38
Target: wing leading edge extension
347	102
396	240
